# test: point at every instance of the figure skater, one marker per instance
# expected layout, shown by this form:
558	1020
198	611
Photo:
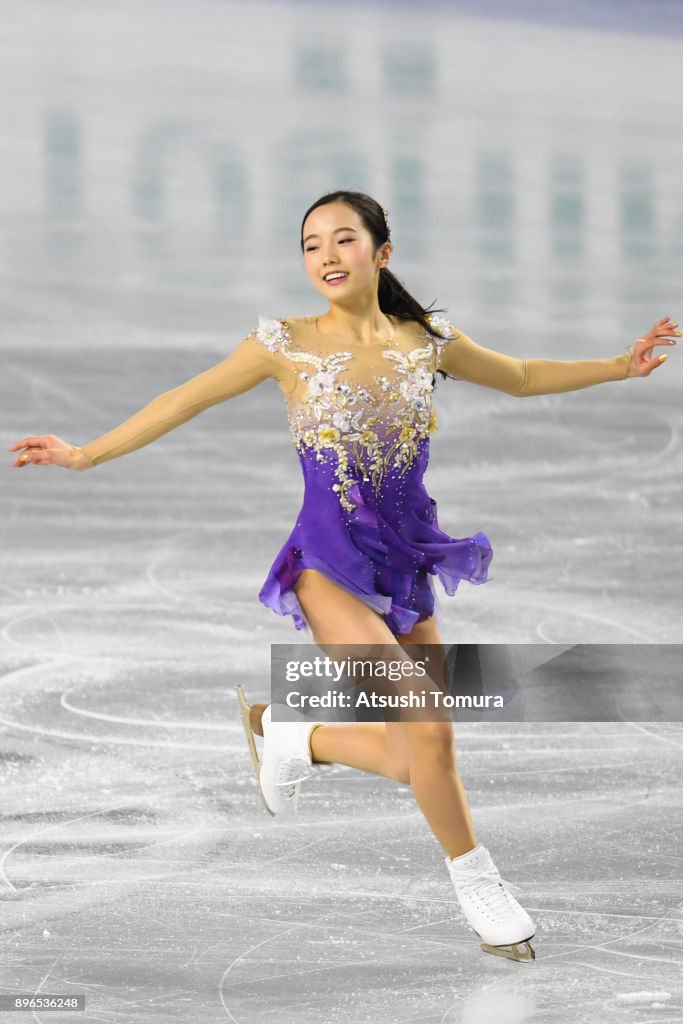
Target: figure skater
358	565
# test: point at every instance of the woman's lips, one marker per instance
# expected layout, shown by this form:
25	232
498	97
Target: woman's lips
337	280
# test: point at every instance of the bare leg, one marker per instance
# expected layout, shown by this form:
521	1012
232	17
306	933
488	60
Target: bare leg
421	753
362	745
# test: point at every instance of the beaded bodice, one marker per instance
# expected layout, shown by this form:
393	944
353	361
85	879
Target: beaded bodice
368	409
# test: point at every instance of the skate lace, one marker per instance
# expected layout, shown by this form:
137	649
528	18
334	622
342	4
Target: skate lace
494	893
287	777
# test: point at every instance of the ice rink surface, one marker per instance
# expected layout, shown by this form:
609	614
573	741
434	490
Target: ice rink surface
157	158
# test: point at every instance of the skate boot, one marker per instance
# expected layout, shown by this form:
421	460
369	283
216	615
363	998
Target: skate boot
286	758
490	909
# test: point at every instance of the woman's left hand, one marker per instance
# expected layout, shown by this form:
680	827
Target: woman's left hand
662	333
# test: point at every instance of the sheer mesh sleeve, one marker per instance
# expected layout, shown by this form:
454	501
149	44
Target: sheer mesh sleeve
248	365
462	358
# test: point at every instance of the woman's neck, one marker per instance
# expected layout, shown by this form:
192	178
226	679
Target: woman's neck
363	327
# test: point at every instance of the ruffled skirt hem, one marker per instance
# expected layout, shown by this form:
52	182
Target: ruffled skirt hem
466	559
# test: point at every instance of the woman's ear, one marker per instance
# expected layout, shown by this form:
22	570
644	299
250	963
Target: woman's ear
387	249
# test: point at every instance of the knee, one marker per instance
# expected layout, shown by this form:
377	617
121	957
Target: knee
431	740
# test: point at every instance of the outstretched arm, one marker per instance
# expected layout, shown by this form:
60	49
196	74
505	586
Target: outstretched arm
464	359
247	366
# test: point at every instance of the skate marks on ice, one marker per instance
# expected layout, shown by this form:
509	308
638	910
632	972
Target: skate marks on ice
345	914
589	499
303	969
594	682
630	932
134	820
138	822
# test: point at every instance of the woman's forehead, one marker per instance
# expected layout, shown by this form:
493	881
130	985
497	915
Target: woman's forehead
331	216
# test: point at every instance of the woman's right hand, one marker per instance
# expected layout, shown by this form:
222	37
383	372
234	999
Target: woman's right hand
50	450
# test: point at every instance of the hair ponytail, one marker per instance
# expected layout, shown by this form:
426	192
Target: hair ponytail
395	299
392	296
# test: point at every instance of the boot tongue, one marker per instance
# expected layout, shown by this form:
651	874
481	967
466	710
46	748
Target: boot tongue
475	860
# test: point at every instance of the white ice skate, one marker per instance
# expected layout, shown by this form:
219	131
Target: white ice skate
286	759
490	909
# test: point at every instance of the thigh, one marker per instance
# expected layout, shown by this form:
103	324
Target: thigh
436	724
342	625
425	632
424	639
336	616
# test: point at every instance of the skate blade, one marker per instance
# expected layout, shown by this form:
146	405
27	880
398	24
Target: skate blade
244	713
521	952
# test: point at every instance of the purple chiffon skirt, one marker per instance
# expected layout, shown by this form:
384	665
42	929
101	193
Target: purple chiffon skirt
384	552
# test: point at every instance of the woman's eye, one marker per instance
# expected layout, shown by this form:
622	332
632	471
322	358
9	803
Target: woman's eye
312	248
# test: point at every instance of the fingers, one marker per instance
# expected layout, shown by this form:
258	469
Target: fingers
646	361
31	455
22	460
36	447
652	364
665	326
644	349
654	339
34	458
30	442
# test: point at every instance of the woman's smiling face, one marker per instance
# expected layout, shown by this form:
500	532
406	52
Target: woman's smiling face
336	241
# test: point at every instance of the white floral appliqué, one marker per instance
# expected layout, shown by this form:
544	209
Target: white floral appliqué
322	381
271	333
444	327
365	427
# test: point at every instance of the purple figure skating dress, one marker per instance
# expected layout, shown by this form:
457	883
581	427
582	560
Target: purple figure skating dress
360	418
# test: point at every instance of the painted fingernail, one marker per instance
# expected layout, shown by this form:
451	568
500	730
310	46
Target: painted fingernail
663	357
